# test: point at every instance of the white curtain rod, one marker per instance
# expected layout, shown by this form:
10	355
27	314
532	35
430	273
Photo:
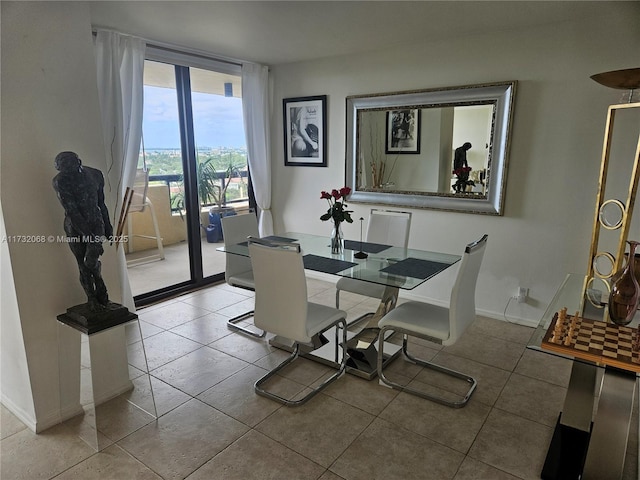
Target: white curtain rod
178	49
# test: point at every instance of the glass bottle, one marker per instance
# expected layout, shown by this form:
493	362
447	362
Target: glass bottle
625	292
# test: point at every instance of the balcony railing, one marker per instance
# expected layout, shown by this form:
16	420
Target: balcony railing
175	184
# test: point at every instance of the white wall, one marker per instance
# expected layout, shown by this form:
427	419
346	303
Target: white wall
555	150
49	104
13	358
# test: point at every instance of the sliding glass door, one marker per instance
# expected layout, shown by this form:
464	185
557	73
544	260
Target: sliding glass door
194	150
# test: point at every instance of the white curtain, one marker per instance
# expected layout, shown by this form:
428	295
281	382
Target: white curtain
120	64
255	106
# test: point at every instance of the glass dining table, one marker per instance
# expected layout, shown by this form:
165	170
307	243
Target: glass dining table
393	267
605	365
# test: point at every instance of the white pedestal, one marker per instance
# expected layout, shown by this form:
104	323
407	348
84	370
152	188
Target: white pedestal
102	397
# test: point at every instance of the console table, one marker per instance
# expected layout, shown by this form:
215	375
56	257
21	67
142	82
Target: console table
604	375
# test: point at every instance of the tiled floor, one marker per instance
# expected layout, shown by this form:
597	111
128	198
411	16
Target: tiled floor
213	426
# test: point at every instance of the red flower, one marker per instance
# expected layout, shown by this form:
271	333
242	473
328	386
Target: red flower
344	191
337	210
461	170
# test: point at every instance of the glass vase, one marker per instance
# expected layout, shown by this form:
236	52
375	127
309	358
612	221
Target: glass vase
625	292
337	239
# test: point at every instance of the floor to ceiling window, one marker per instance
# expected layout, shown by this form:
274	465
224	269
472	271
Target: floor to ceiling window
194	150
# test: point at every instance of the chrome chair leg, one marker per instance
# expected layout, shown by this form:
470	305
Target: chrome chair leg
341	324
439	368
232	324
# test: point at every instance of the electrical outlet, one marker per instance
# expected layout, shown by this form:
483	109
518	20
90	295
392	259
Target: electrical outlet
523	293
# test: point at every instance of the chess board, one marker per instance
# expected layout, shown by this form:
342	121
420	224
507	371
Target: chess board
595	341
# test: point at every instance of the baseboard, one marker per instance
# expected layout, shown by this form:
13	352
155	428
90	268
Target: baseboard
54	417
22	415
42	423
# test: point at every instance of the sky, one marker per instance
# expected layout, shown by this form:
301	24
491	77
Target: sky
217	120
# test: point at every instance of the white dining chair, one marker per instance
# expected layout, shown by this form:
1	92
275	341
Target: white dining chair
385	227
282	308
438	324
238	272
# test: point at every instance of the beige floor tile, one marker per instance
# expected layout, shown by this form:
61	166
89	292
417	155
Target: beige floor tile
255	456
26	455
238	308
315	286
214	300
302	370
160	304
184	439
320	429
421	341
112	463
205	329
454	427
160	349
165	396
245	347
241	291
9	423
541	365
84	427
236	397
474	470
532	399
487	349
500	329
507	423
401	368
348	298
367	395
631	471
512	444
147	329
384	451
118	418
206	367
359	315
328	297
328	475
172	315
423	350
491	380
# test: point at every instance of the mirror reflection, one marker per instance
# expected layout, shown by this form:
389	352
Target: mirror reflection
441	148
430	150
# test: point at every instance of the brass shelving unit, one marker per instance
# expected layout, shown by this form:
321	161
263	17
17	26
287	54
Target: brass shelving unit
622	210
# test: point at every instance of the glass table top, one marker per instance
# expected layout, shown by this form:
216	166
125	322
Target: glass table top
404	268
577	295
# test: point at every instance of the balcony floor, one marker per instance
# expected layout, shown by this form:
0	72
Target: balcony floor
154	275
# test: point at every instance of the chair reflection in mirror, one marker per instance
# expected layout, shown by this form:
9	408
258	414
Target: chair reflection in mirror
282	308
438	324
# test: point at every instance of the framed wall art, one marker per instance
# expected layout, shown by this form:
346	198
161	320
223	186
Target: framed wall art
403	131
305	131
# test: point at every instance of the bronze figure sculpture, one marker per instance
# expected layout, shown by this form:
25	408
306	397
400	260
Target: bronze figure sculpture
86	222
